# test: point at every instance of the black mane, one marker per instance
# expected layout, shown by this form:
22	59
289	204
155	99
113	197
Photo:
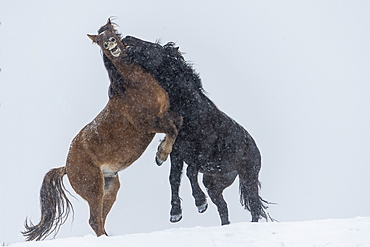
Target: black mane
166	64
116	87
180	66
108	26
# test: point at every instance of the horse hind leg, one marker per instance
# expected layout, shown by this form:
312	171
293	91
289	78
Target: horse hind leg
169	125
88	181
111	187
215	185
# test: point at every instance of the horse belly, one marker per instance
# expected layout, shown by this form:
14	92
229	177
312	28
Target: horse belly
125	152
210	157
114	144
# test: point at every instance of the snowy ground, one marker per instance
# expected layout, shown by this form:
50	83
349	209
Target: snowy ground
344	232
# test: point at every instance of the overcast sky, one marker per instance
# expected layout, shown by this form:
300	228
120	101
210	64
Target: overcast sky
295	74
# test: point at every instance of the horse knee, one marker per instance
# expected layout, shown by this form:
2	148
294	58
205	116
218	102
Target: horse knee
164	149
198	194
191	172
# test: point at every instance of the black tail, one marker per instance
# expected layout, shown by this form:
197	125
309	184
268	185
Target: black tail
250	199
55	206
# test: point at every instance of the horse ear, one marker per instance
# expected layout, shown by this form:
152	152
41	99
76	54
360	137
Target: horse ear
109	22
92	37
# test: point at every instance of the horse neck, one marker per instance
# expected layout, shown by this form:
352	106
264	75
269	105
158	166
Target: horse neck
131	73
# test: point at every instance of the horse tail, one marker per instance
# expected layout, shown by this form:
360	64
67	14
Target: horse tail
251	201
55	206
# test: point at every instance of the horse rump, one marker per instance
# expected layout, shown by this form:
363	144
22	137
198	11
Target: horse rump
55	206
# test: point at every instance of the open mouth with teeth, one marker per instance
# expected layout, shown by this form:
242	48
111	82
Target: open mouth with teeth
115	50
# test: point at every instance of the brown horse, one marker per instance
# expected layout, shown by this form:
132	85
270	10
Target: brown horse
137	109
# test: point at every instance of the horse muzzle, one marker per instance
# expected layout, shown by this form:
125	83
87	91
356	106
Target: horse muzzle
113	48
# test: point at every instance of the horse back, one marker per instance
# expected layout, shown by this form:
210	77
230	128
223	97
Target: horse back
213	140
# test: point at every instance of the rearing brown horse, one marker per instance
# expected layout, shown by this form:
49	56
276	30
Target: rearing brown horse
138	108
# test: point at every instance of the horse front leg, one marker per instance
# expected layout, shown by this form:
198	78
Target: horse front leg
169	125
198	194
175	180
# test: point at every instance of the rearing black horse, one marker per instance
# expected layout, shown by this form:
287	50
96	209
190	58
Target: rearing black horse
209	141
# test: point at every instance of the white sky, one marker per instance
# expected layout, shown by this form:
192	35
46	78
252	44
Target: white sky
295	74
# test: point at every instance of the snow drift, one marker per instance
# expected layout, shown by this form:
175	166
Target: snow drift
343	232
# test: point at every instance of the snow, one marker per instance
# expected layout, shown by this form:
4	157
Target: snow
333	232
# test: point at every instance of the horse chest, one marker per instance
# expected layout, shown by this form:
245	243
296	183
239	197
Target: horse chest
145	100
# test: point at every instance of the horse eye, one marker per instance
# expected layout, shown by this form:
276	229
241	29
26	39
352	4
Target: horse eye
111	39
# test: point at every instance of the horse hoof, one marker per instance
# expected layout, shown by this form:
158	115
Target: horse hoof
158	161
175	218
225	223
202	208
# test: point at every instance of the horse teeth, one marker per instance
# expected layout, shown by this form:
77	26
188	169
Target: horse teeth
116	53
113	46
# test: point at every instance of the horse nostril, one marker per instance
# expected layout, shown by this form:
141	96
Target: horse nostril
105	45
112	39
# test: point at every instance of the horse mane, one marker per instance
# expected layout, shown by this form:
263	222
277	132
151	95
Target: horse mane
165	63
175	57
117	87
109	25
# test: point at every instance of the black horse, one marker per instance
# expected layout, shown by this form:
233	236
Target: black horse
209	141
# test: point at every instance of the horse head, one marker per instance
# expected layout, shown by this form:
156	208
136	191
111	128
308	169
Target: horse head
109	40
